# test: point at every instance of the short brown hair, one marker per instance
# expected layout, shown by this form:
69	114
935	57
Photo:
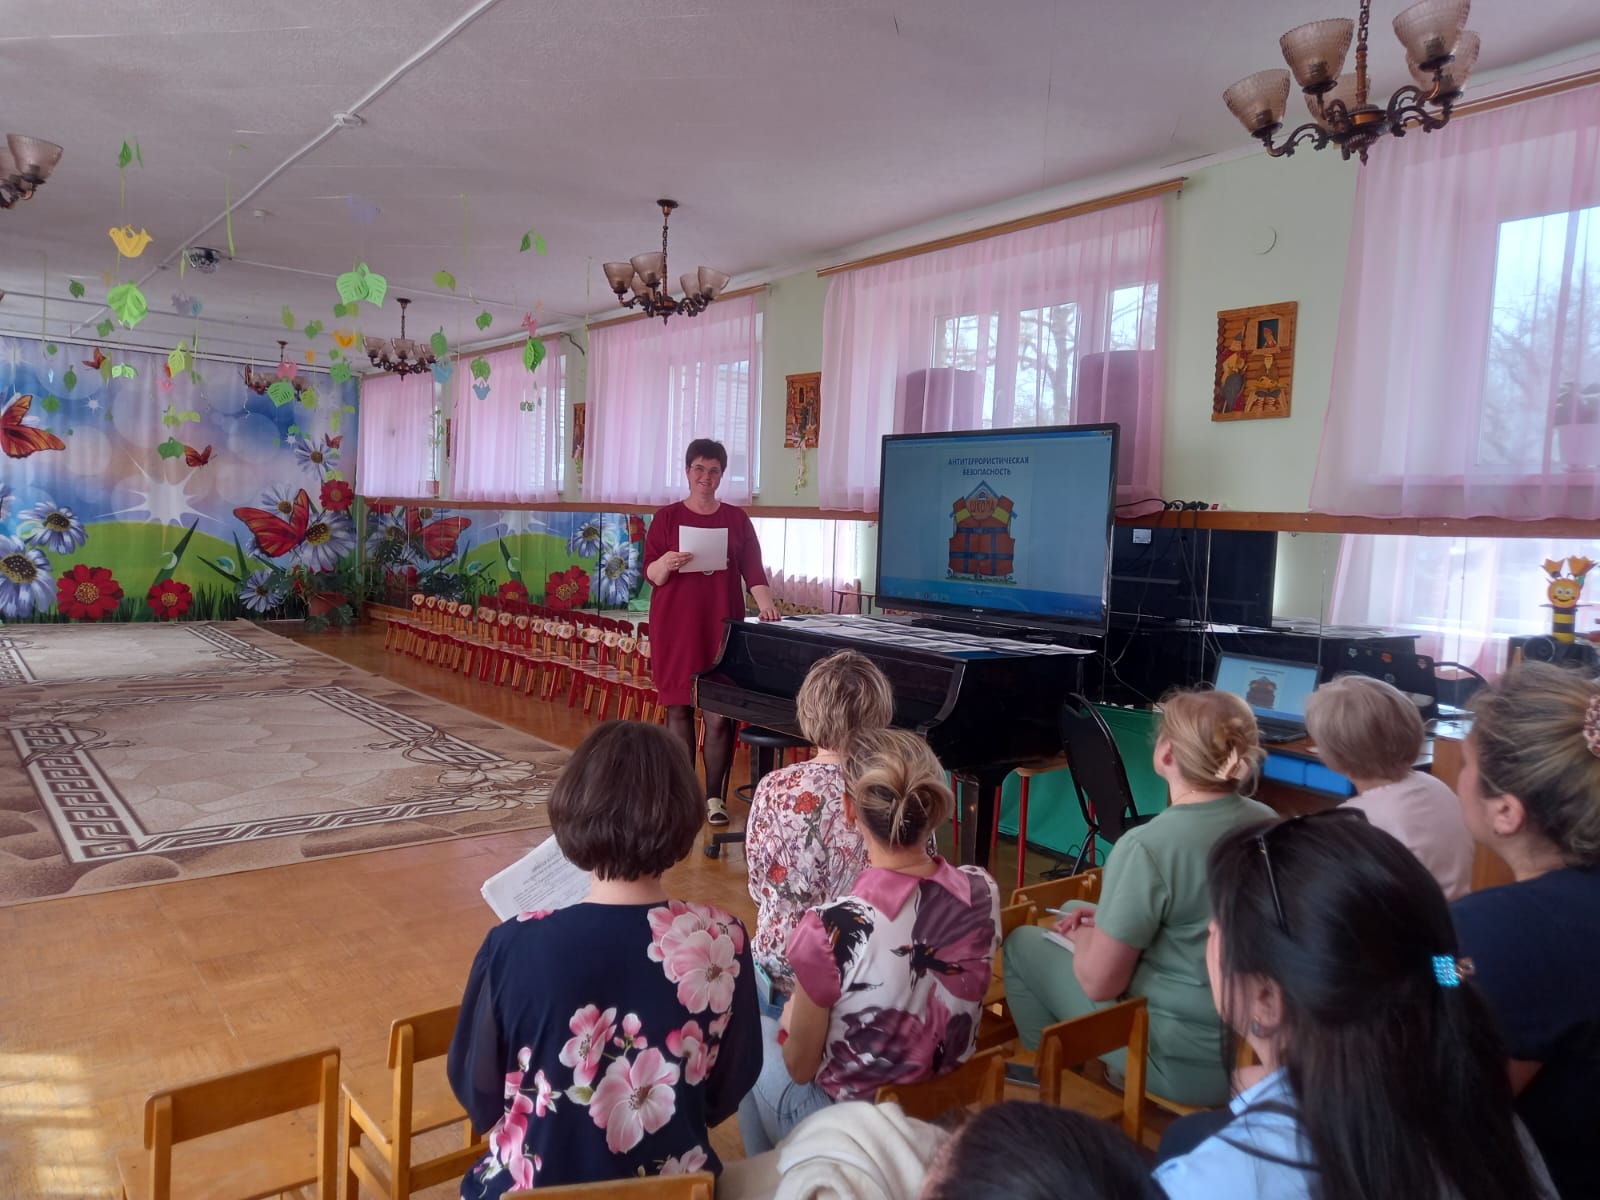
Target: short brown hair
628	804
896	785
1530	738
841	693
1214	739
706	448
1364	727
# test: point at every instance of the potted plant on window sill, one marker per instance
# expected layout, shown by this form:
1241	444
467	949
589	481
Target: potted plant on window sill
1577	424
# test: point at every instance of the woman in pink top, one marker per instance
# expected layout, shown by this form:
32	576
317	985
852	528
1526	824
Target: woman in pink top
1369	732
800	849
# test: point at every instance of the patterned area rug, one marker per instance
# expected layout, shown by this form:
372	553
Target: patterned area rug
252	751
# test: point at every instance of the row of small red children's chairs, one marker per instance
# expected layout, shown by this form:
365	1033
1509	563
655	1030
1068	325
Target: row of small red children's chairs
532	647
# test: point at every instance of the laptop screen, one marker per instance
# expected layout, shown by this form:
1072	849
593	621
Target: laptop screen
1274	690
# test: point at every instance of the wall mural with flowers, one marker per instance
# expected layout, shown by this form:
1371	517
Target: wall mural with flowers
132	490
563	559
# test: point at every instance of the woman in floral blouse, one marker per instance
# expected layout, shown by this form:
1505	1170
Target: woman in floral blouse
890	978
603	1040
800	849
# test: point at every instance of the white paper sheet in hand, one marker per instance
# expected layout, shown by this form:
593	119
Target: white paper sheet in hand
541	878
708	548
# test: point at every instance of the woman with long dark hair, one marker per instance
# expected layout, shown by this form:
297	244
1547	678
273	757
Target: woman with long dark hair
1331	951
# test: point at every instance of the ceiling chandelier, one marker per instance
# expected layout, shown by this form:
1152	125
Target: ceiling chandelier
1439	54
25	163
285	370
401	355
645	276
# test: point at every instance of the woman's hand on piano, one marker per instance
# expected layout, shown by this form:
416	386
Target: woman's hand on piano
769	612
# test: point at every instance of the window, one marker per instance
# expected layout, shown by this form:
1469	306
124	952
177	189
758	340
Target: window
654	388
508	443
400	436
808	561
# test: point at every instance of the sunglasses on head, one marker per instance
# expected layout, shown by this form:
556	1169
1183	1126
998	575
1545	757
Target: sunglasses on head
1261	839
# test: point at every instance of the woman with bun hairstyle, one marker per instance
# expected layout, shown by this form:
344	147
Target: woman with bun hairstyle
889	978
1530	792
1147	935
1380	1074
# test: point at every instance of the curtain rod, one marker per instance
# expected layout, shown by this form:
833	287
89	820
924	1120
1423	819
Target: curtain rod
989	231
733	295
1533	91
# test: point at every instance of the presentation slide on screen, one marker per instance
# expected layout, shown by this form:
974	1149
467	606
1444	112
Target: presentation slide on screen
1272	689
1012	522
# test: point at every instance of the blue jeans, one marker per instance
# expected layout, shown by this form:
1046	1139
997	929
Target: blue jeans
777	1103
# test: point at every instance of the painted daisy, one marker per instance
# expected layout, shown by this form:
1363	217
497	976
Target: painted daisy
262	591
617	575
329	537
26	585
54	527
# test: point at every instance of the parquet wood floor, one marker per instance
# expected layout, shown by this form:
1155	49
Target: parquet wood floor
104	998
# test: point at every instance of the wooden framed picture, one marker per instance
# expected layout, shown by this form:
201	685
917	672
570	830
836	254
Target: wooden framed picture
579	429
803	412
1255	362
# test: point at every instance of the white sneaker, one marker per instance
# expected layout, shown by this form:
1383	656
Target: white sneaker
716	811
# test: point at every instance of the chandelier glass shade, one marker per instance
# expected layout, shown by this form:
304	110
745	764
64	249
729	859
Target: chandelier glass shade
25	163
401	355
259	381
645	277
1440	54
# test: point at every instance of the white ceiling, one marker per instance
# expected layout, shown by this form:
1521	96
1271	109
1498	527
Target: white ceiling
790	130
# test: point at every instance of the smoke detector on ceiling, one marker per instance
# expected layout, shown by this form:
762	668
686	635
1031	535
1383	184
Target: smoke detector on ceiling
202	258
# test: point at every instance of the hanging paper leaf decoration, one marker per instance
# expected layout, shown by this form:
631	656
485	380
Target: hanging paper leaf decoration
76	289
340	372
533	354
308	397
533	241
128	302
311	356
481	390
178	360
334	354
171	448
444	279
125	156
484	320
480	367
50	348
345	338
129	243
281	393
124	371
70	379
105	370
312	329
362	284
104	328
442	372
440	344
288	317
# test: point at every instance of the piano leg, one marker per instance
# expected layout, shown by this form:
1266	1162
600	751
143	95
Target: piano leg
976	797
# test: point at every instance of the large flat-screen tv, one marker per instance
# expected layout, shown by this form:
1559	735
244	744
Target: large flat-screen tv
1000	527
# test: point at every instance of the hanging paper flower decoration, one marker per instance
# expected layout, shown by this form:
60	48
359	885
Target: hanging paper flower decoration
88	593
129	243
170	599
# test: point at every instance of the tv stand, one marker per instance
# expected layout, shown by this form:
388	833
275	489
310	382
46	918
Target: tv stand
993	629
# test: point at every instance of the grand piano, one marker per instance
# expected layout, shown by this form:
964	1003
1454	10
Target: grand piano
986	705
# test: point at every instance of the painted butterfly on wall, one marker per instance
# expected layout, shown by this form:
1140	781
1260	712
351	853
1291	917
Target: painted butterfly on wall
19	440
275	535
196	458
97	361
439	538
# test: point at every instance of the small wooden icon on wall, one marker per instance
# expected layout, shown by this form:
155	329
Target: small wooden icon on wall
803	413
1255	362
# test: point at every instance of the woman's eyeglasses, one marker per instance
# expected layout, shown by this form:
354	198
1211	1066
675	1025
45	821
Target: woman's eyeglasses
1260	840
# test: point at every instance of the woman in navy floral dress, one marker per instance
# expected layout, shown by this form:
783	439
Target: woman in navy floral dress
603	1040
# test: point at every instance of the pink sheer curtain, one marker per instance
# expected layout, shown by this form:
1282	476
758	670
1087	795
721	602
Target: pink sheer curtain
395	436
654	388
1051	325
508	444
808	561
1467	376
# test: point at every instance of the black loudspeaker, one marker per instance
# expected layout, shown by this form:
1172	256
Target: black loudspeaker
1111	386
942	398
1579	655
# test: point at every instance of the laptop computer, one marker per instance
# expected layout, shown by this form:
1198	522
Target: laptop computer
1275	690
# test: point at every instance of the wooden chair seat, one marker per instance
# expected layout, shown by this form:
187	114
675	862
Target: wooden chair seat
247	1162
433	1104
979	1081
698	1186
1082	1094
1068	1044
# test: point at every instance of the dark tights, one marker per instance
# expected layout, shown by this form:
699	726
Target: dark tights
718	747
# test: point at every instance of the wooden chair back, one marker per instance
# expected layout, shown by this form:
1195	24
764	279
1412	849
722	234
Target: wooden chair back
996	1028
979	1081
1068	1044
197	1110
1055	893
698	1186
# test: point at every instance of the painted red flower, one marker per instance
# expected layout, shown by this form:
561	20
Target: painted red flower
635	528
170	599
567	589
513	589
88	593
379	510
337	495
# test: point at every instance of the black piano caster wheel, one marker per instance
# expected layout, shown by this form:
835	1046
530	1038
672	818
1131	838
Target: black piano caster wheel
714	850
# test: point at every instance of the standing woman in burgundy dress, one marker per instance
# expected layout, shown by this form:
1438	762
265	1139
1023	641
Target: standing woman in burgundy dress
687	608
